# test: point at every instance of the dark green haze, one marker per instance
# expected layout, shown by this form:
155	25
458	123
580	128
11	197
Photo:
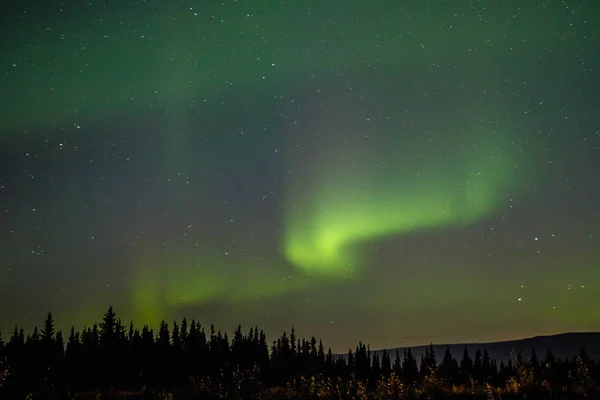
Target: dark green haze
393	172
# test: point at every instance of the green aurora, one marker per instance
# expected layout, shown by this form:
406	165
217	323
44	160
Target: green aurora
470	92
355	198
92	61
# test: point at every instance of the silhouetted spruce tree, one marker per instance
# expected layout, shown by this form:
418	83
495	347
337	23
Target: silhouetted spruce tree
362	361
340	367
134	342
313	357
253	348
493	371
447	371
92	355
477	372
164	337
406	366
112	346
15	354
183	334
409	367
455	370
213	351
350	363
238	347
175	336
304	356
466	367
398	364
58	358
368	363
199	351
163	353
329	364
73	358
386	364
282	359
108	329
375	367
321	357
429	361
108	349
35	369
147	360
175	352
130	333
293	344
486	367
262	351
48	332
219	353
184	368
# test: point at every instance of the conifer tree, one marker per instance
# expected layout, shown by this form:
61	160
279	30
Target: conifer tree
329	363
314	356
477	366
35	336
398	364
130	333
376	367
120	332
486	367
15	338
293	338
48	332
386	364
409	367
183	333
164	337
108	328
95	336
238	347
466	367
58	355
73	342
446	369
351	363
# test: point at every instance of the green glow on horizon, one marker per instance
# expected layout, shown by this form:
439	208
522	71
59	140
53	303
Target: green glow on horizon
348	206
162	287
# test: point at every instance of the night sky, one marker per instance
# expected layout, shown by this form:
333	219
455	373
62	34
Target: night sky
397	172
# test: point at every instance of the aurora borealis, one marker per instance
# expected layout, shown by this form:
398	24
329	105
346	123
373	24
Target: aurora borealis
393	172
355	201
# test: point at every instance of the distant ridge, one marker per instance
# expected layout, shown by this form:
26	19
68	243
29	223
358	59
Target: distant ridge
563	346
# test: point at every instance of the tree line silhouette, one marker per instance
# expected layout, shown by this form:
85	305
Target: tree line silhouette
111	355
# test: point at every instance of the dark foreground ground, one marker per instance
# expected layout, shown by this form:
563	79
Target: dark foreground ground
325	389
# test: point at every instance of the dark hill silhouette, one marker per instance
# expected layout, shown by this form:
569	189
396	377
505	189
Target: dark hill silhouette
563	346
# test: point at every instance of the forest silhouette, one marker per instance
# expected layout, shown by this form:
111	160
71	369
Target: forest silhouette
184	360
